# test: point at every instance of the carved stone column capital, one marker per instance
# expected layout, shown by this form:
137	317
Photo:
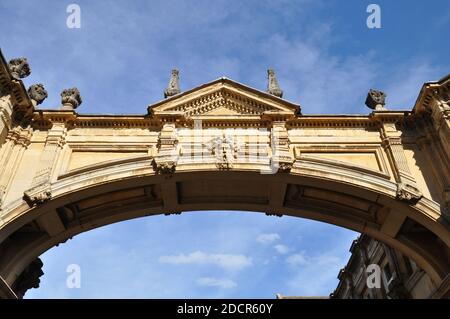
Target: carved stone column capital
19	68
20	136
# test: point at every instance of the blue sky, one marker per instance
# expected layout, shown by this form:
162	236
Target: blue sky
326	59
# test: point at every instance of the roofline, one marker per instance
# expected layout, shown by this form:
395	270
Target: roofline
229	81
426	86
144	115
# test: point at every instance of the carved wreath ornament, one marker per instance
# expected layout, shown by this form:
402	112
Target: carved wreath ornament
225	149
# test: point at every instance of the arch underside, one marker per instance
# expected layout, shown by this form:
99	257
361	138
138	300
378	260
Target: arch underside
90	198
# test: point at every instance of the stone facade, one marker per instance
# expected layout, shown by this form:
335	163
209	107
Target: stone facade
401	277
222	145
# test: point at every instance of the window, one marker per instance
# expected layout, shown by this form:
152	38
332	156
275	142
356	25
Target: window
387	272
408	265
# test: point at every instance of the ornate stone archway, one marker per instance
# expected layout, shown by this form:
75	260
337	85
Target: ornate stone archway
222	145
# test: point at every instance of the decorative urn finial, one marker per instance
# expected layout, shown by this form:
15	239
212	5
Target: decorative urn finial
272	86
174	84
70	99
19	68
376	100
37	93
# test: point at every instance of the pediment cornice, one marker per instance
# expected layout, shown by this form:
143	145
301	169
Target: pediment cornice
224	99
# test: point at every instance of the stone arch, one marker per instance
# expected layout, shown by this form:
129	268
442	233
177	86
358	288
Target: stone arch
86	201
221	145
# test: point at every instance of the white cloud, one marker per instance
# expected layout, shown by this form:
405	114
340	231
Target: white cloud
267	238
215	282
226	261
297	259
403	87
323	268
301	259
282	249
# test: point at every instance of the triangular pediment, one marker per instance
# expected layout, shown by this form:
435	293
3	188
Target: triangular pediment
223	98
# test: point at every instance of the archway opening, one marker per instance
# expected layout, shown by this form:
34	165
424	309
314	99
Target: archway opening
207	254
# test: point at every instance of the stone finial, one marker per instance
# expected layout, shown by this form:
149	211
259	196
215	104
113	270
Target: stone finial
70	99
19	68
37	93
376	100
174	84
272	86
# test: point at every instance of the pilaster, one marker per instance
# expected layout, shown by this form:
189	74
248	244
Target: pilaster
407	189
6	109
12	151
282	159
166	161
40	190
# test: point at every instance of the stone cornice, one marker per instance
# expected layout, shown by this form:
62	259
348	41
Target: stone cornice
44	118
337	121
389	116
23	107
428	93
